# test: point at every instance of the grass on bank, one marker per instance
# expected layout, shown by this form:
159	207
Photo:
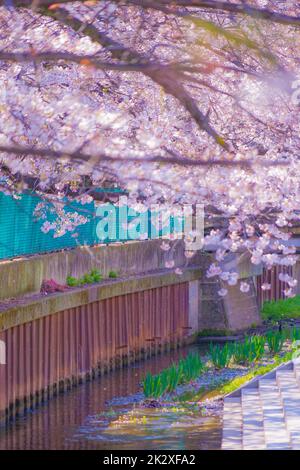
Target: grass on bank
227	386
231	385
248	352
281	309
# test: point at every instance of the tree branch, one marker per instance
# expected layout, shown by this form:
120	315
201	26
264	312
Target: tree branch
165	79
215	5
174	159
85	60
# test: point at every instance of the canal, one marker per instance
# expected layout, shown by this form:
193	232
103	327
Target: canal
105	414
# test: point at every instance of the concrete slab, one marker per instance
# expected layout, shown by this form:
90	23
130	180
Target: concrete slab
270	412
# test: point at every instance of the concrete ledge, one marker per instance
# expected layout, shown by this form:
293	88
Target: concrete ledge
240	263
219	339
25	275
28	309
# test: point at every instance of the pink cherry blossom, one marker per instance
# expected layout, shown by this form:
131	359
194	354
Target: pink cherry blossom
222	292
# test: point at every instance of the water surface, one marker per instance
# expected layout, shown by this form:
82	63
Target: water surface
104	414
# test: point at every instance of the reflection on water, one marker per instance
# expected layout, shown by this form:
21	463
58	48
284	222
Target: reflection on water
104	414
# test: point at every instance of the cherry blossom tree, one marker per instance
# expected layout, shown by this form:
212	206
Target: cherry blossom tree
180	102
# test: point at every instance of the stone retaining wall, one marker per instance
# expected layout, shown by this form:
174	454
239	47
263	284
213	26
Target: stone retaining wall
25	275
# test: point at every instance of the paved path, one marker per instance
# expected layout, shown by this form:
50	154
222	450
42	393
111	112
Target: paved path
265	414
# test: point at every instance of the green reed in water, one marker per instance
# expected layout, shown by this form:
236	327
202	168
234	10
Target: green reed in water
275	341
187	369
250	350
246	352
221	356
292	334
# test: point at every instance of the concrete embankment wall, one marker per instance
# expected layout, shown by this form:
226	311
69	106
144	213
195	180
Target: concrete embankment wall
24	275
53	342
63	339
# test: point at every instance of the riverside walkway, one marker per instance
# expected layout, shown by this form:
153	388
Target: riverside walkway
265	414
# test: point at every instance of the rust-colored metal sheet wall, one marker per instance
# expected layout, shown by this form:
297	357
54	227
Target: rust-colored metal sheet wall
270	276
55	352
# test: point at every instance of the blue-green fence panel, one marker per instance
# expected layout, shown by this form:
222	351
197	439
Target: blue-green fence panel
21	234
